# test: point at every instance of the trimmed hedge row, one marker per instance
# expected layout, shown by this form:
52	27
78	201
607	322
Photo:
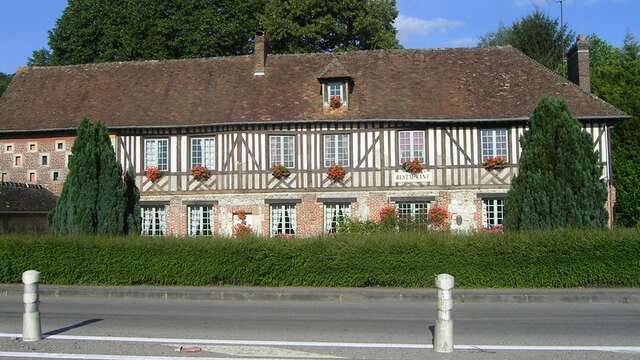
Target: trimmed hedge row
546	259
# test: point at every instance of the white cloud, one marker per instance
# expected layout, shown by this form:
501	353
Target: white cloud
410	26
465	42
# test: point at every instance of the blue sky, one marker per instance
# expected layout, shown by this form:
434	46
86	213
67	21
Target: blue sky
421	24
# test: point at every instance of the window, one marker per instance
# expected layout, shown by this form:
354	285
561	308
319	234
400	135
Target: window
8	148
44	160
55	176
153	220
203	152
494	143
156	153
4	177
68	160
336	150
282	150
200	220
413	211
337	89
412	145
17	161
60	145
32	177
283	219
33	147
335	215
493	212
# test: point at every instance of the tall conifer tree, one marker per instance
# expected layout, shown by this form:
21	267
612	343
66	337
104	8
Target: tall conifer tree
559	179
111	204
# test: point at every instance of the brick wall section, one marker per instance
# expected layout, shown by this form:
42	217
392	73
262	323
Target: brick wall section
310	216
176	217
375	202
31	160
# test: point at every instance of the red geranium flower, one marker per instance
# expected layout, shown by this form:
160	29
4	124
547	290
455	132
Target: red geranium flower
336	172
153	173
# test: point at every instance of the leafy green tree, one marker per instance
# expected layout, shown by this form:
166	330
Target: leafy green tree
538	36
615	77
5	79
299	26
95	198
103	30
558	184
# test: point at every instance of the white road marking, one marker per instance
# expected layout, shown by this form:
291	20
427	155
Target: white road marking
24	354
264	351
628	349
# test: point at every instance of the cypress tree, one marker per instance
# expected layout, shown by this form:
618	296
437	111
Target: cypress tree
75	212
558	184
95	198
111	202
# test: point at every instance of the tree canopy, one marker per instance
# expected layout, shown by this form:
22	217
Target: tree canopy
558	184
95	198
615	77
537	35
102	30
5	79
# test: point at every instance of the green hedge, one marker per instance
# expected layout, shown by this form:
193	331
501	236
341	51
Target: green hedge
547	259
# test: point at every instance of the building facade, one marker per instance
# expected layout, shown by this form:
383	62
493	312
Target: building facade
368	112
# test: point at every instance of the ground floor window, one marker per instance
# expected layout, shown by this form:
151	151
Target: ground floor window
413	211
200	220
335	215
492	212
283	219
153	220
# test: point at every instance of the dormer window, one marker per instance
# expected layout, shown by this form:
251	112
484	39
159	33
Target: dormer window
335	94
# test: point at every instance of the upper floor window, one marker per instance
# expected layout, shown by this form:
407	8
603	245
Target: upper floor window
336	150
203	152
335	94
283	219
493	212
494	143
412	145
200	220
153	220
282	150
60	145
156	153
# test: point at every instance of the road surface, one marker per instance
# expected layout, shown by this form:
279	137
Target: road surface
88	328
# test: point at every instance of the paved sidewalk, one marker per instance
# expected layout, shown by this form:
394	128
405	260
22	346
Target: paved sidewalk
604	296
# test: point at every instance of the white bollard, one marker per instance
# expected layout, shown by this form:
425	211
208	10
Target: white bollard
443	334
31	319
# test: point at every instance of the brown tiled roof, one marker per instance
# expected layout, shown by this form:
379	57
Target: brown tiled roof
25	198
493	83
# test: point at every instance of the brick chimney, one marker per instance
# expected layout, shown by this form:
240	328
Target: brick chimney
260	53
578	64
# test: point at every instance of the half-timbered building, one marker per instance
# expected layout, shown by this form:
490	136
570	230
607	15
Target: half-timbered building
367	111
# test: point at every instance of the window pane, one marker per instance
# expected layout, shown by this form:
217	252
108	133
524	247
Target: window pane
156	153
335	215
336	150
283	219
412	145
494	143
282	150
200	220
413	211
153	220
493	212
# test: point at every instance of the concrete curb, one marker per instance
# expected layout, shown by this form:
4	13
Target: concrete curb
605	296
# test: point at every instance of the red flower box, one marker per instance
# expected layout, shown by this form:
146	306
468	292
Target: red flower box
496	162
153	173
335	102
242	231
336	173
413	166
200	173
388	214
438	218
280	171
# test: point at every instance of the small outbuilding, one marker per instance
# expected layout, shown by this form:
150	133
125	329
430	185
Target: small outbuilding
24	208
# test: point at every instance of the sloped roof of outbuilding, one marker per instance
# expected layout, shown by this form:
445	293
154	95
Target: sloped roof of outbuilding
25	198
438	84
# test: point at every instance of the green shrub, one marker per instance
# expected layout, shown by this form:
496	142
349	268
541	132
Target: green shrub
560	258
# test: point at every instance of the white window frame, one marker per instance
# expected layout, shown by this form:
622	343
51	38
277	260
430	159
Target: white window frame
207	152
333	157
64	145
413	146
6	147
53	176
157	157
417	210
154	220
35	176
200	220
15	157
491	147
492	212
278	216
4	177
279	149
332	221
48	159
35	144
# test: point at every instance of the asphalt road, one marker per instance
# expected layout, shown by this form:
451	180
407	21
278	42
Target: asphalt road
327	326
